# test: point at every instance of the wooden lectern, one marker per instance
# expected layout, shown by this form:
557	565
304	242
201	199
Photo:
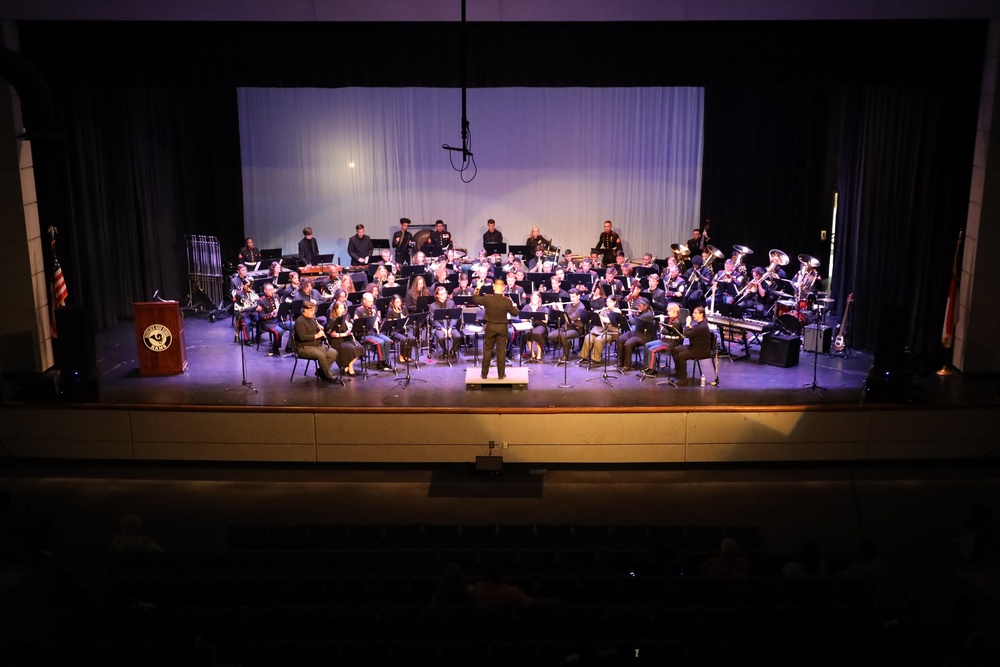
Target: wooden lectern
159	337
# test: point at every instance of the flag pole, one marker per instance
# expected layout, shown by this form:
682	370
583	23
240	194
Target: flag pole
948	330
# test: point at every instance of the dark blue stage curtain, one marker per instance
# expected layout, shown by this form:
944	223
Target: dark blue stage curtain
564	159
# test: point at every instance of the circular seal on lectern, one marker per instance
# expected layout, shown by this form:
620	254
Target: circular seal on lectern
157	337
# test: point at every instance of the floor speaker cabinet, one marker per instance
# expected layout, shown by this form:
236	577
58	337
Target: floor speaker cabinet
779	350
816	336
489	465
76	348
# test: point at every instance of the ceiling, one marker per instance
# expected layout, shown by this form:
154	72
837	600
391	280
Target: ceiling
493	10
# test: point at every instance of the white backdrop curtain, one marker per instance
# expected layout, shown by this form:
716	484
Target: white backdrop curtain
565	159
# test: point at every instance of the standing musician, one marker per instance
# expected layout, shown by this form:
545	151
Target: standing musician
445	330
609	242
373	335
309	337
249	253
643	330
535	241
593	343
571	326
670	336
539	327
308	247
697	242
491	235
440	236
699	344
245	304
267	311
497	308
401	241
396	311
359	247
340	337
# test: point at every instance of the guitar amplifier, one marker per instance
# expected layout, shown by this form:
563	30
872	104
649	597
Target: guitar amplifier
817	336
779	350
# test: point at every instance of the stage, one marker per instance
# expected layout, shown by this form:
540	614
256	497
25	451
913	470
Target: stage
755	412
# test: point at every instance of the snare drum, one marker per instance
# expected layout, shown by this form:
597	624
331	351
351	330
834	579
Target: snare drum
783	307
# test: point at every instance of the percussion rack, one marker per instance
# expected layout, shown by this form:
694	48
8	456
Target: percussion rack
204	266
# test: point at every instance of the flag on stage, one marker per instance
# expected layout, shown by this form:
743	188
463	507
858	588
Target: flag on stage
948	330
59	290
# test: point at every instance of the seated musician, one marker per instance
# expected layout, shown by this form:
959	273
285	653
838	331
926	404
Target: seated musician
381	275
758	295
267	311
626	273
648	262
273	271
656	295
390	281
441	277
245	306
340	337
593	342
566	261
307	294
249	253
537	263
643	330
396	311
729	274
446	331
419	259
698	278
669	336
372	334
611	285
309	336
555	284
675	285
571	326
418	288
236	282
463	289
539	327
586	268
514	291
289	291
699	344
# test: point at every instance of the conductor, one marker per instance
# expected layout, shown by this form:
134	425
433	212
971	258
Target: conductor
497	307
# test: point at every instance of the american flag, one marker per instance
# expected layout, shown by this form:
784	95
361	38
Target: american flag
59	290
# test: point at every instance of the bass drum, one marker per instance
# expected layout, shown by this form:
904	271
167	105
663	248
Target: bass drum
792	322
783	307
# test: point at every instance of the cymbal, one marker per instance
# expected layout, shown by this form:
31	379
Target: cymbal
810	260
742	249
826	300
787	296
787	302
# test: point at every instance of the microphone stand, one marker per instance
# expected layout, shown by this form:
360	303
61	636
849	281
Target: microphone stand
817	343
243	360
604	377
408	379
565	360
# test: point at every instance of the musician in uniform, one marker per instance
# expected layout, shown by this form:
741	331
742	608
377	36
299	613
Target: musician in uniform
497	307
445	330
249	253
308	247
440	236
401	241
372	334
267	311
309	337
571	325
699	345
669	336
491	235
643	330
609	242
675	286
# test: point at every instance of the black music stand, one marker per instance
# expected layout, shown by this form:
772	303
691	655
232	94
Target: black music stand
562	319
398	290
495	249
358	328
447	314
398	326
675	340
531	316
596	321
411	270
419	321
470	317
518	250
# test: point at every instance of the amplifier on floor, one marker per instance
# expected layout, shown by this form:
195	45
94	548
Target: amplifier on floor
817	336
779	350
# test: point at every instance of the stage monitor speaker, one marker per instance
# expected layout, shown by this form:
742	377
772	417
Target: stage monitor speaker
76	348
489	465
779	350
816	336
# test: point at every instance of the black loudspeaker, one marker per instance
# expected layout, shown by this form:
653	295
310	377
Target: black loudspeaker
815	336
75	349
489	465
779	350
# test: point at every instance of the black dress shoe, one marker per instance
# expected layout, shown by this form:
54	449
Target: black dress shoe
484	377
502	377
